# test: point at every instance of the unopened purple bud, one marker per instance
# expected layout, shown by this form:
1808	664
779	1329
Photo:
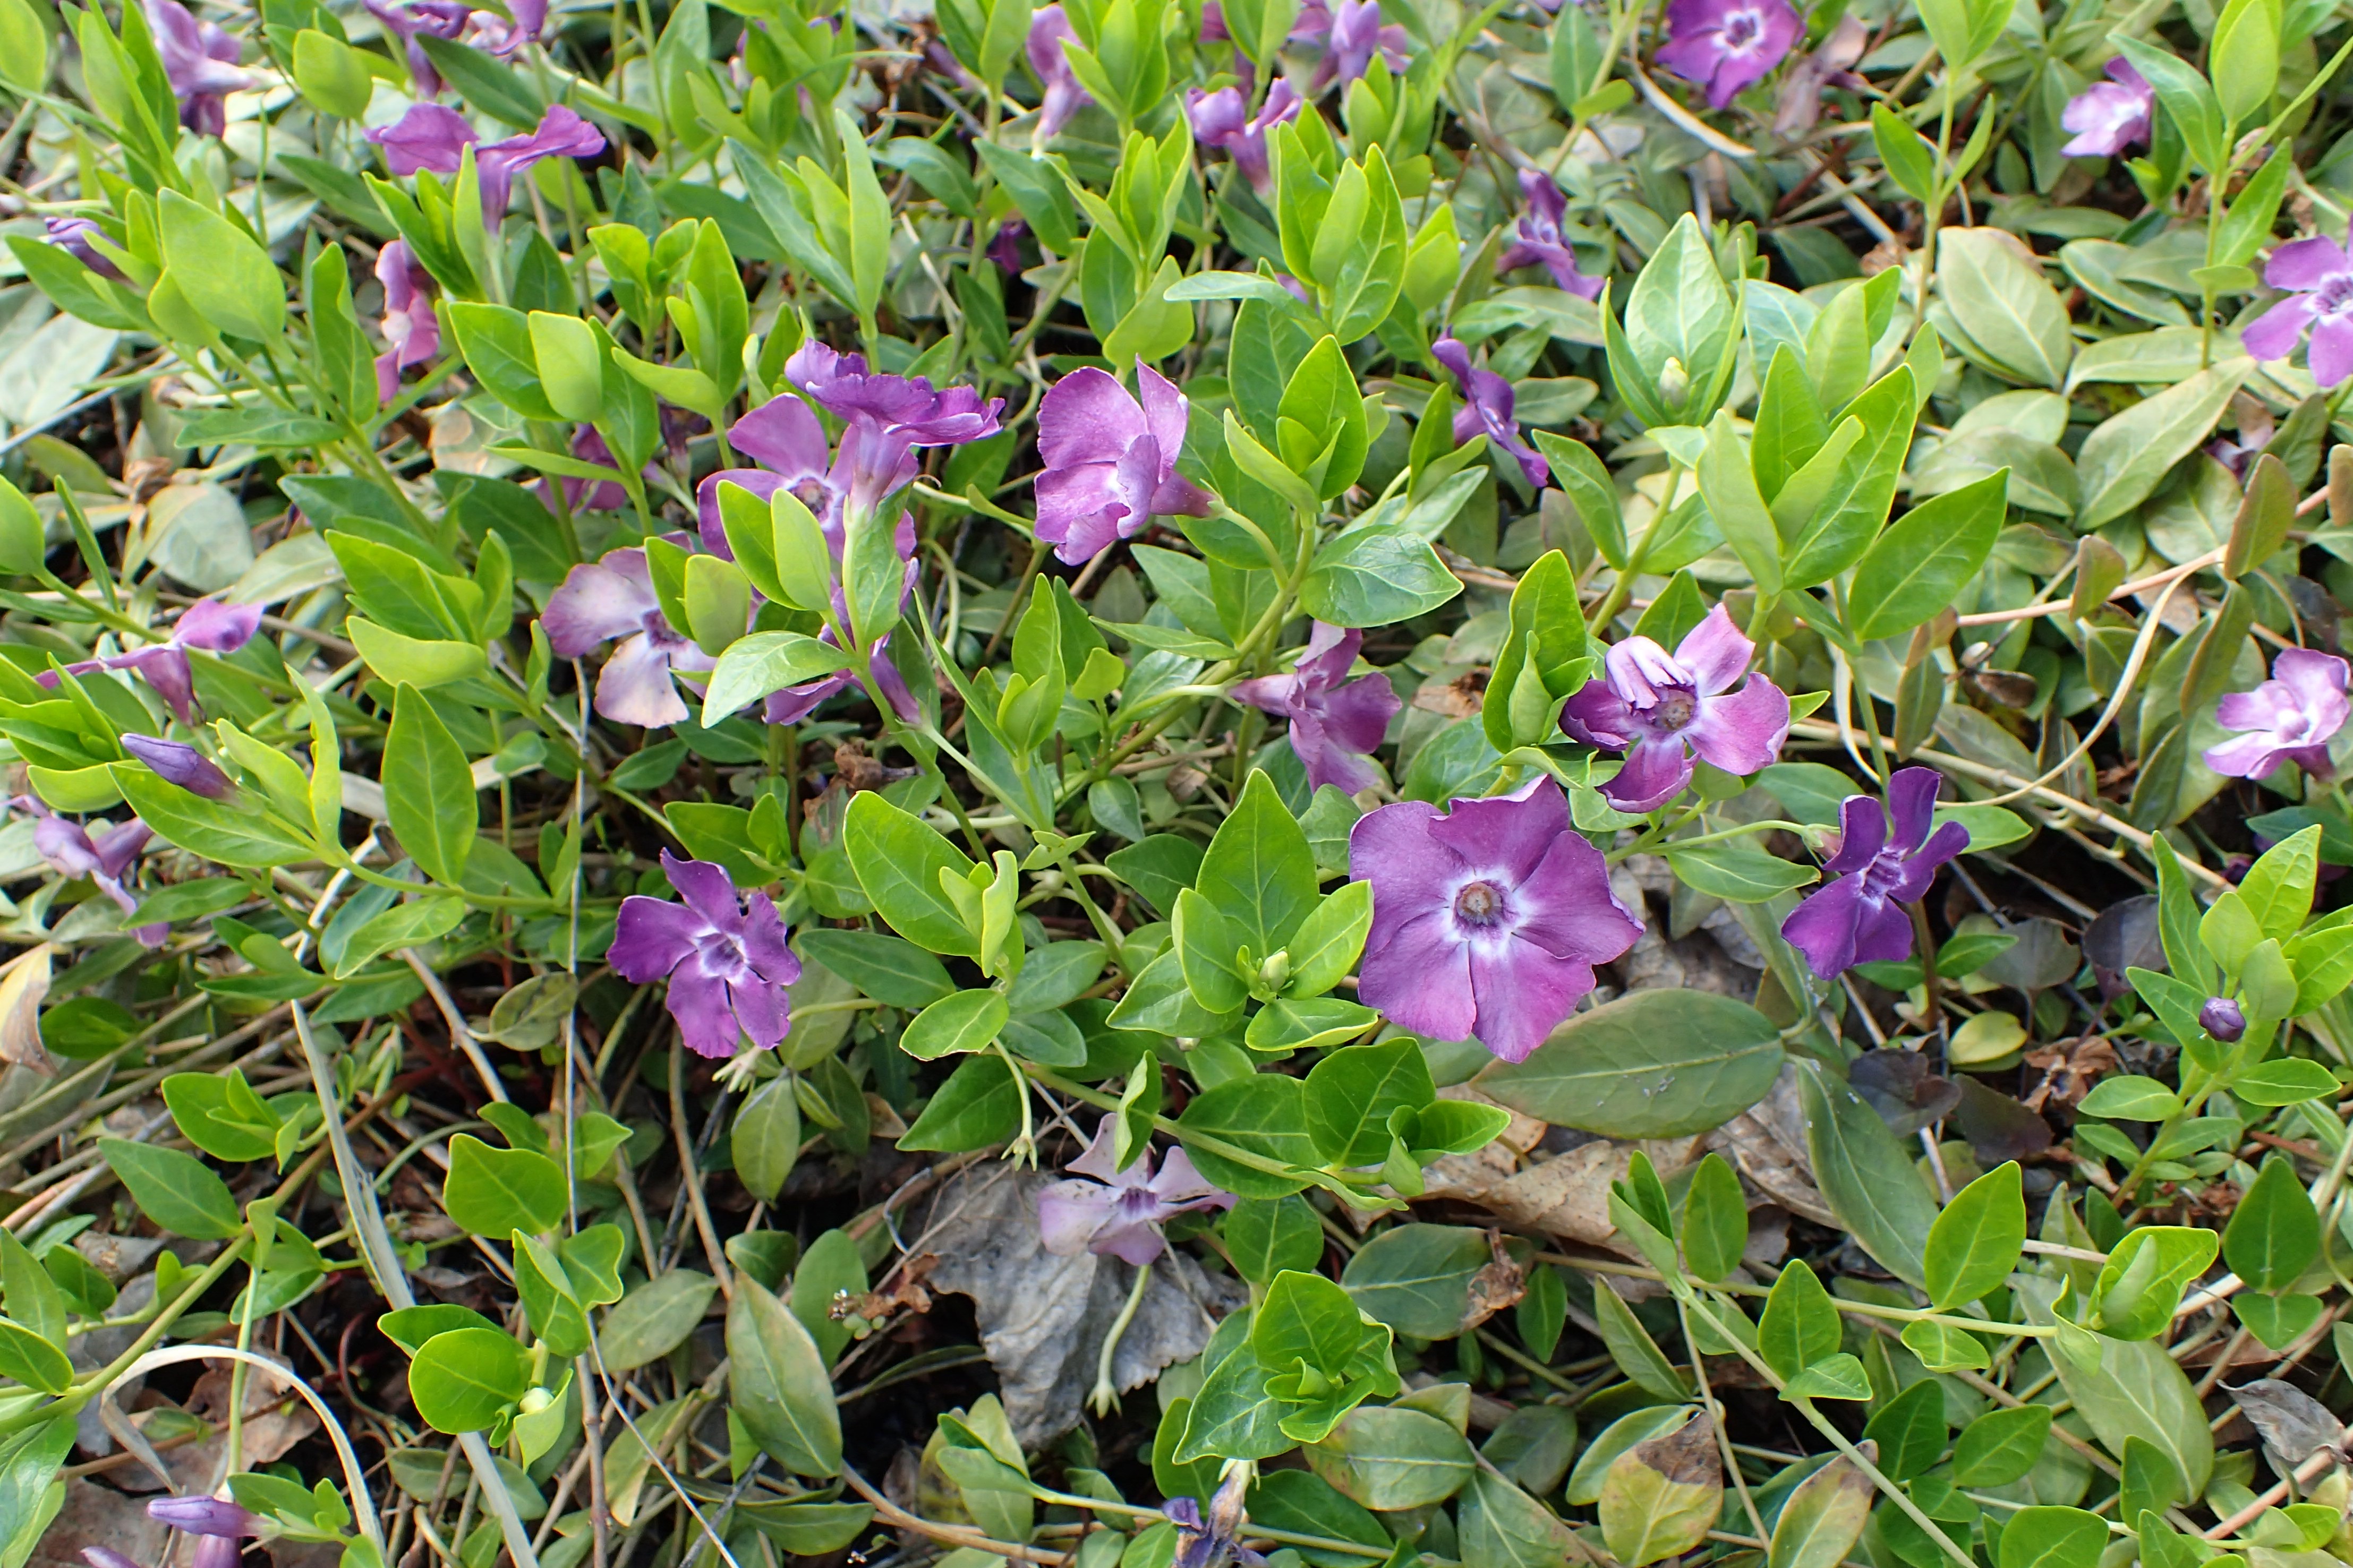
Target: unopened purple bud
203	1516
2222	1018
105	1557
181	765
217	1552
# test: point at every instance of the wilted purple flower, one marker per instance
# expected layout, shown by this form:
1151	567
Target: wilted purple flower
1487	922
1111	460
1487	400
1222	119
1728	45
2224	1019
1336	723
613	597
1886	858
726	957
1005	246
103	857
1662	709
1212	1542
71	234
1540	240
1120	1213
435	18
181	765
1050	29
1353	33
199	62
1830	63
2255	431
203	1516
2320	275
411	330
2290	716
2108	117
431	136
207	625
887	418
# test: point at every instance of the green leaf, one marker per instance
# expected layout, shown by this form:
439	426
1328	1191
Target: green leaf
1737	873
1838	1376
1264	1114
766	1138
2131	1098
174	1190
2288	1080
1417	1278
898	859
778	1384
1865	1174
1630	1346
754	667
220	1114
1801	1324
429	790
1331	938
1729	487
1910	1430
1266	1236
492	1192
895	972
2001	1446
2279	886
2128	1388
463	1379
979	1105
954	1025
1919	565
225	275
1656	1064
32	1360
652	1319
1977	1240
2123	459
226	834
1389	1459
1352	1093
1660	1498
1909	158
1822	1519
2053	1537
1714	1230
1376	576
1260	872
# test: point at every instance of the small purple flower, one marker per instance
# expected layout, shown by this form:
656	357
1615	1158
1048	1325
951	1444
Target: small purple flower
1886	858
432	18
887	418
181	765
1728	45
1111	460
1487	922
1005	246
203	1516
72	235
72	850
2319	275
613	597
412	332
2222	1018
785	439
207	625
1353	33
726	957
1120	1213
199	62
1222	119
1212	1542
2290	716
431	136
1050	29
1336	723
1487	400
590	495
1540	240
1829	64
2110	116
1662	709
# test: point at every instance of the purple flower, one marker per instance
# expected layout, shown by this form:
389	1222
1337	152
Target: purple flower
106	1557
411	330
2320	277
1336	723
1222	119
181	765
1487	922
1050	29
1830	64
73	852
1211	1542
431	136
1005	246
207	625
1728	45
613	597
1486	408
1661	708
887	418
590	495
1353	33
1120	1213
2222	1018
203	1516
72	235
434	18
1886	858
2110	116
1540	239
727	959
199	62
2292	716
1111	460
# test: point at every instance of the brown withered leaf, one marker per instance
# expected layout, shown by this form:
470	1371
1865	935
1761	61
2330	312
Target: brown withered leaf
2068	1068
1499	1285
1457	698
2291	1423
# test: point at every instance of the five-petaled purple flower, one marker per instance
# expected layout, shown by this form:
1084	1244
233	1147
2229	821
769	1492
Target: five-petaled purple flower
1353	35
2290	717
1213	1542
199	62
725	956
2319	275
1487	400
785	439
412	332
207	625
887	418
1050	29
72	235
1728	45
2224	1019
1886	858
1540	240
1222	119
72	850
408	20
433	136
1487	922
1111	460
176	762
613	597
1336	723
1662	709
2108	117
1120	1213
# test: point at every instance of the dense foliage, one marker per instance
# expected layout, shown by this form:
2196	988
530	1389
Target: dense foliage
1157	784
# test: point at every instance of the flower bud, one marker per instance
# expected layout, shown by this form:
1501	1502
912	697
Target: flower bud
181	765
105	1557
2222	1018
1675	381
203	1516
217	1552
